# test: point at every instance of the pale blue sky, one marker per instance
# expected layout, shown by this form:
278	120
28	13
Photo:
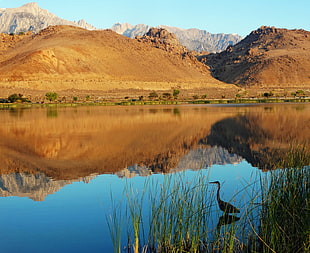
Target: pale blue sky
217	16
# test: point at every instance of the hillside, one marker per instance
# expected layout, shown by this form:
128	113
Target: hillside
30	17
75	53
192	39
266	57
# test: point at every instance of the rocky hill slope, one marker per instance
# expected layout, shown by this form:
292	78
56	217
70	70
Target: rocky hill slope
267	56
162	39
69	52
30	17
192	39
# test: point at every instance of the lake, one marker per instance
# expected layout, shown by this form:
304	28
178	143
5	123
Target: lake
62	166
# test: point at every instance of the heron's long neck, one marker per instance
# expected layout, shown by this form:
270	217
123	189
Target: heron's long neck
218	193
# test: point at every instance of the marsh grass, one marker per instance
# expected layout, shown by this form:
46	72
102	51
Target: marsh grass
178	215
115	224
177	208
297	156
284	221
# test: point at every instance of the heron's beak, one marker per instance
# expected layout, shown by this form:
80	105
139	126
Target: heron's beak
212	182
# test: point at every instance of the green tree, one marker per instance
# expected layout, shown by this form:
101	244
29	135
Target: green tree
51	96
176	93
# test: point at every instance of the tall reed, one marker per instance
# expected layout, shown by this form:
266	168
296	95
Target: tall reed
115	224
284	221
179	215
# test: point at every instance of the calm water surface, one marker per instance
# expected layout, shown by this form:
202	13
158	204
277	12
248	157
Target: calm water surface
59	166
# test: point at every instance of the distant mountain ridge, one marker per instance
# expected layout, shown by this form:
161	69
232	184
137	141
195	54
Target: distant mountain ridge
192	39
30	17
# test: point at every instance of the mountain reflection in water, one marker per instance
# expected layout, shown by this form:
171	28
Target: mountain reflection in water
38	186
40	154
81	141
35	187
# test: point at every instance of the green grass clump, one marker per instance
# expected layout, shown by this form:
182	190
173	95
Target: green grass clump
179	216
297	156
176	209
284	222
174	216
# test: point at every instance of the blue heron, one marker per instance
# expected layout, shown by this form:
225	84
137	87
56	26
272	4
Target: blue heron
224	206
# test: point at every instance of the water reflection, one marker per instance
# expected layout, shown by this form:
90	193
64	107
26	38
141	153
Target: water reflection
77	142
33	186
55	154
226	219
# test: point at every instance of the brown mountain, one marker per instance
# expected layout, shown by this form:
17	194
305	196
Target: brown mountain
268	56
71	54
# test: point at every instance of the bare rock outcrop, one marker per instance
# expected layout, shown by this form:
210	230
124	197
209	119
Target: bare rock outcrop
161	38
164	40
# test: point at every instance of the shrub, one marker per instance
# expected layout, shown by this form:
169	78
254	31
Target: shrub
153	95
167	95
51	96
176	93
268	94
300	93
17	98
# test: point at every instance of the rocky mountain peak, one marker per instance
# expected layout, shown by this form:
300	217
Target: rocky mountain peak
161	38
30	6
30	17
192	39
161	33
164	40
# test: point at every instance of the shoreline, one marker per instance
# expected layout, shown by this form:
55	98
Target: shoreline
159	102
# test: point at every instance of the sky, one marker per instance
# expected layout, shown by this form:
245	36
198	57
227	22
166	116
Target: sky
216	16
